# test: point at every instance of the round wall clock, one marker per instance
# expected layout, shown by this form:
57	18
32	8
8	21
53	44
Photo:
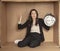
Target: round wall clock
49	20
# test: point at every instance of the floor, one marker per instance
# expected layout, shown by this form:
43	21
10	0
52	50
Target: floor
43	47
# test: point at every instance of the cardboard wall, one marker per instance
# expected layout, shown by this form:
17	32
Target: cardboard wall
28	0
3	24
59	22
14	10
0	20
56	28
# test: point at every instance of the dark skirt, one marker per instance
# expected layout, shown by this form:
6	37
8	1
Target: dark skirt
33	40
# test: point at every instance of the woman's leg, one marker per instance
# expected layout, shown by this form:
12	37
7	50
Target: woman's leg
35	40
24	42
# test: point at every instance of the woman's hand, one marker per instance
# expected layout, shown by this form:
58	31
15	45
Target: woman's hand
20	18
20	25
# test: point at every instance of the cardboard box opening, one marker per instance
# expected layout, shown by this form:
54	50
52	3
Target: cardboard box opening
11	11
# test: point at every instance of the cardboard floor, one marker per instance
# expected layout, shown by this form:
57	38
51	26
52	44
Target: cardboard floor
43	47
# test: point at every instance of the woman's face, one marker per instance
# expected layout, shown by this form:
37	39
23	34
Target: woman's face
33	15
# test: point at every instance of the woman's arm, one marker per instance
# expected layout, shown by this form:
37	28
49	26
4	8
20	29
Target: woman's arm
44	25
21	26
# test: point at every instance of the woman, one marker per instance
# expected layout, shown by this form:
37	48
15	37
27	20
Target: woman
34	35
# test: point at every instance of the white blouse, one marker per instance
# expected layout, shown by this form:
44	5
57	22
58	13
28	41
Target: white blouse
35	28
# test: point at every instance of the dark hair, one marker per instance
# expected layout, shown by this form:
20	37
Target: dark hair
30	18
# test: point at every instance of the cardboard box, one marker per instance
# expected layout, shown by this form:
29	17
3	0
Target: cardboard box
12	9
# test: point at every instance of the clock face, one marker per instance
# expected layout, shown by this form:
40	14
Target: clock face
49	20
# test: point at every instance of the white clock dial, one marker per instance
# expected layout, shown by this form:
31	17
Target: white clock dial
49	20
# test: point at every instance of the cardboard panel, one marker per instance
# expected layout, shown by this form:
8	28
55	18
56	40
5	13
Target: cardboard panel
28	0
0	20
14	10
3	24
56	12
59	23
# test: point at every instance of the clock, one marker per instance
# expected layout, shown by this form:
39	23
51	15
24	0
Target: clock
49	20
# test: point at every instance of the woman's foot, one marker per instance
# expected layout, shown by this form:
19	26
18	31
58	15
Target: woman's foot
16	41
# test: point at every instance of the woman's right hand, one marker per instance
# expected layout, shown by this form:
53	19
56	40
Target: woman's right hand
20	18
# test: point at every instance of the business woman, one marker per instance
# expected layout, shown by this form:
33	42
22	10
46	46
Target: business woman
34	34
